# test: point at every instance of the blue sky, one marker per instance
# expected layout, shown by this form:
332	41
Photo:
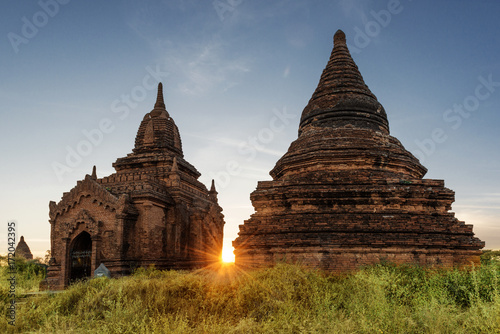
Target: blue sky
236	76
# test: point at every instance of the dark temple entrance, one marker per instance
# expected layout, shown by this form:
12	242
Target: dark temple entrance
80	257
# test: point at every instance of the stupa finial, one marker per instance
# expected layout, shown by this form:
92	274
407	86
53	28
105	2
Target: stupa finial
159	98
213	193
339	38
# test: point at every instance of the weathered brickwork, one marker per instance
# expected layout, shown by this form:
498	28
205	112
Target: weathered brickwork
152	211
347	194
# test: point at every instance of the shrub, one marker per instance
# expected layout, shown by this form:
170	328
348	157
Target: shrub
29	274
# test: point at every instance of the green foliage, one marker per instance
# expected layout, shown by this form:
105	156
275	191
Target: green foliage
490	256
384	298
29	274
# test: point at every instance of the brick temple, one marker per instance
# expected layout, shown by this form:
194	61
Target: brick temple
347	193
151	211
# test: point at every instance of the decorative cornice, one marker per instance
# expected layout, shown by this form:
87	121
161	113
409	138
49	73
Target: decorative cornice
86	187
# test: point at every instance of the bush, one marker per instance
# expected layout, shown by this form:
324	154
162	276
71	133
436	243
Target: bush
490	256
29	274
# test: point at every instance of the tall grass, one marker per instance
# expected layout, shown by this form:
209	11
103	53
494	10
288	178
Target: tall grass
29	273
384	298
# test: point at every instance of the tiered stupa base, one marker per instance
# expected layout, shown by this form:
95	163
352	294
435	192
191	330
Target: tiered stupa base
343	225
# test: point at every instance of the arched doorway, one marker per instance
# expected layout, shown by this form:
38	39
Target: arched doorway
80	257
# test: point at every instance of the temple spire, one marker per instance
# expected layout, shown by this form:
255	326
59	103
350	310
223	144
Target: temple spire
342	98
213	193
159	98
158	131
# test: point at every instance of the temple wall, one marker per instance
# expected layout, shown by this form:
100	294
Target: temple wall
338	260
148	235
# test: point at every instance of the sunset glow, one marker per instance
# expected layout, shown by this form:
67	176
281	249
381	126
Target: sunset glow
227	254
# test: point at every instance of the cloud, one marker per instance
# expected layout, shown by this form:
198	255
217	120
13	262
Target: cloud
286	72
201	63
204	67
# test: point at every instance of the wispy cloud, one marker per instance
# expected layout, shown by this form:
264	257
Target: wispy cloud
236	143
286	71
198	66
203	67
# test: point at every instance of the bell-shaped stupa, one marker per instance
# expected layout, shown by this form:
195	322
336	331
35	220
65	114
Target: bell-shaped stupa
347	193
23	250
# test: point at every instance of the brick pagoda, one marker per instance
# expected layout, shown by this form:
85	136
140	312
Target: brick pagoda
23	250
347	193
152	211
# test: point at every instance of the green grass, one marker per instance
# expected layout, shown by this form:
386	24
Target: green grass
28	275
384	298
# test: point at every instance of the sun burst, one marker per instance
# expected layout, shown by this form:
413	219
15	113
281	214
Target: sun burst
227	254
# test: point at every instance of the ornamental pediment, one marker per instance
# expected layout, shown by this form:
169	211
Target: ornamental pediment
85	188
